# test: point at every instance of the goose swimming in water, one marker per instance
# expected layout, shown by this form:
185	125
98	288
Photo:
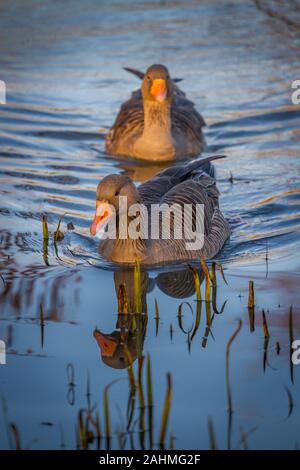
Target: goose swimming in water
190	184
158	122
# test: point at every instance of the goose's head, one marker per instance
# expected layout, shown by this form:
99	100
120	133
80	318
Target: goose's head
110	190
157	86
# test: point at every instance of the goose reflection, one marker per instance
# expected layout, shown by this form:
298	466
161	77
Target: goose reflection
124	345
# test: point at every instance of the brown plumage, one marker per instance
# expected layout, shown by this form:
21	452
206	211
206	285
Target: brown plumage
192	184
158	122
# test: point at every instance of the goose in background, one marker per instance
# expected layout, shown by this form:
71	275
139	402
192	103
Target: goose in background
158	122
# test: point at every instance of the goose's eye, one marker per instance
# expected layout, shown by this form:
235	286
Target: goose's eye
148	77
117	193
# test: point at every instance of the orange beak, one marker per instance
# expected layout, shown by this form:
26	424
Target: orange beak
103	213
106	343
159	89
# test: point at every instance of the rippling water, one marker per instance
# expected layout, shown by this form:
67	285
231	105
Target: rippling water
62	66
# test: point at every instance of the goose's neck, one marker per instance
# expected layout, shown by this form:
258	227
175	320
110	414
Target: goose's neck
157	119
125	250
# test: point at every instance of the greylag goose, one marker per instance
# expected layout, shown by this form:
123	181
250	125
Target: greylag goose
158	122
178	187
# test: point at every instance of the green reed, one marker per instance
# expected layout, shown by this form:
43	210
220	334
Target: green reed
137	287
150	401
166	412
211	434
45	239
42	324
228	386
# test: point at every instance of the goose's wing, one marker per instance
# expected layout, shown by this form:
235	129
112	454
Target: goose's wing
197	187
129	123
185	118
214	227
153	190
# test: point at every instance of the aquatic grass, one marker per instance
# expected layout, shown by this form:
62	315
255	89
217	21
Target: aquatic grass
123	302
265	356
180	317
42	325
129	360
83	435
228	348
88	392
107	413
171	332
98	430
208	313
197	284
131	407
265	325
16	434
213	274
207	279
228	386
156	318
171	444
166	412
214	303
267	259
208	328
107	417
189	343
45	228
62	437
214	290
58	234
197	320
290	401
71	384
150	401
142	402
137	287
207	302
138	319
132	390
211	434
251	306
220	268
244	438
266	340
45	239
251	298
121	440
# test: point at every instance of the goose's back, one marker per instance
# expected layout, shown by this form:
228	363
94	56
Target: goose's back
177	187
